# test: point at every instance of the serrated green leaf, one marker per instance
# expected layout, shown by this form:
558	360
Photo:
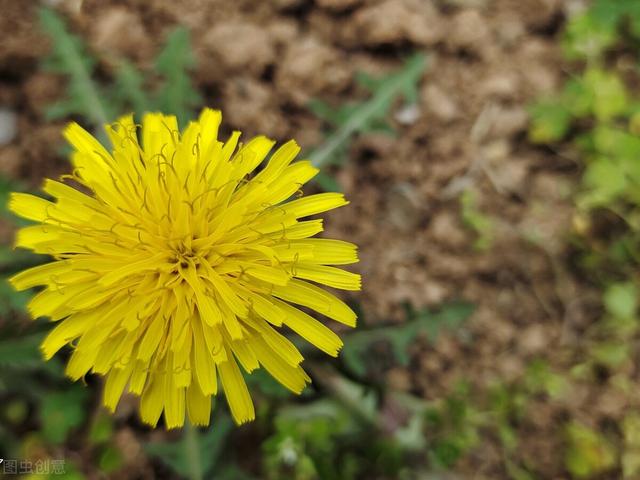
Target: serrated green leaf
448	318
359	117
177	95
69	56
129	88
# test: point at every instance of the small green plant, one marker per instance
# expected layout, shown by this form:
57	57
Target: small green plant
197	454
476	220
449	317
596	117
588	452
367	116
128	88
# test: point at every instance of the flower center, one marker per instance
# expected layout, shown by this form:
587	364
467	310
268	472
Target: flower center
185	256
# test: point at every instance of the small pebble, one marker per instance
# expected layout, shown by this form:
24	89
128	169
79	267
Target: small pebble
8	126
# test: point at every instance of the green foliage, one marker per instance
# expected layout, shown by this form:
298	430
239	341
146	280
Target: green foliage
207	448
596	116
10	300
110	459
597	94
458	423
550	121
588	452
452	428
62	411
358	344
477	221
631	454
101	428
176	95
21	352
366	116
621	300
597	113
69	57
591	34
128	88
540	378
326	438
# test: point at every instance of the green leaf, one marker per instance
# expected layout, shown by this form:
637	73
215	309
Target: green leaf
587	36
177	95
473	218
210	446
603	183
611	354
60	412
609	93
357	344
361	117
588	453
11	300
110	460
550	122
621	300
576	98
539	377
327	182
21	352
69	57
101	428
129	88
267	384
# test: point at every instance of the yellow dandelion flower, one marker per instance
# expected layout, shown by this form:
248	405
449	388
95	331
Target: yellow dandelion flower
174	262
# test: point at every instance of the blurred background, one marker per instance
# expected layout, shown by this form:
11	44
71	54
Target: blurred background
491	153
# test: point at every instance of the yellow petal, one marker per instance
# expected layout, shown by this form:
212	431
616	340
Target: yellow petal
311	330
114	386
44	274
198	405
331	252
318	203
66	331
236	391
205	369
152	401
331	276
30	207
312	296
292	377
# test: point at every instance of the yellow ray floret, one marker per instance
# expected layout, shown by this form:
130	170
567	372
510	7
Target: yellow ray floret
178	263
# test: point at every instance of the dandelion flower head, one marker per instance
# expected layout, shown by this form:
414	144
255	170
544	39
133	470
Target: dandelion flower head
177	262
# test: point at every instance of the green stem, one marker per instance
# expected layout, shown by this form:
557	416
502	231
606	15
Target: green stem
192	451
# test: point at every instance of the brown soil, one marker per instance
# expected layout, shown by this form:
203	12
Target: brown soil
260	62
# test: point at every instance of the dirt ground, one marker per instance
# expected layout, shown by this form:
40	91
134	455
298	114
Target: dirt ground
261	62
